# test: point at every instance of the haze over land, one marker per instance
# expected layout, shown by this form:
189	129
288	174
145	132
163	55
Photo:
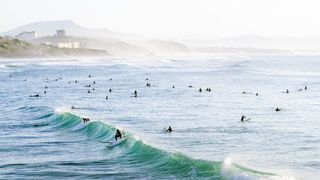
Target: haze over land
166	27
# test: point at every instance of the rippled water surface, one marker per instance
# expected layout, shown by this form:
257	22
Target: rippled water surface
43	137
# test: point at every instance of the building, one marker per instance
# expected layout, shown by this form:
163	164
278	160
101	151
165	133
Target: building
27	35
72	45
61	33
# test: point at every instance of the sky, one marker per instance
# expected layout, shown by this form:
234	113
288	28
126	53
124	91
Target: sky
173	18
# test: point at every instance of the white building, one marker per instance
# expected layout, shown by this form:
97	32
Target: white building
27	36
73	45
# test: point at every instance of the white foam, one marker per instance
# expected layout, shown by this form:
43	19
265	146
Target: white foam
62	109
231	172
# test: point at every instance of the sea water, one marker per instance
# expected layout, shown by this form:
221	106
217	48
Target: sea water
44	138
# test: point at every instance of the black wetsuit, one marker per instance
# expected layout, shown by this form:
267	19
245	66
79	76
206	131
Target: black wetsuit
118	135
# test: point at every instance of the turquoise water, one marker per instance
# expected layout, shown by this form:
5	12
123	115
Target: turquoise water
42	137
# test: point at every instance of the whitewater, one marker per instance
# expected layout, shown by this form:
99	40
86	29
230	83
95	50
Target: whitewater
44	138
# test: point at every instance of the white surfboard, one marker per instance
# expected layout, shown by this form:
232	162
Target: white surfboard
115	143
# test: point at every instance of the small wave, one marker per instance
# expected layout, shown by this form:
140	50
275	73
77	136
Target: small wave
156	161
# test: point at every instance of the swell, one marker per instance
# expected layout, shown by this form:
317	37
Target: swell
157	162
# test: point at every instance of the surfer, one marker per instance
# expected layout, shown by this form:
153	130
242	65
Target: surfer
135	93
36	95
242	118
73	107
200	90
257	94
85	120
118	135
306	87
110	90
169	129
278	109
173	86
106	97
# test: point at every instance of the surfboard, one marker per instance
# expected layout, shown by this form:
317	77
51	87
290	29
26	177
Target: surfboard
118	142
246	120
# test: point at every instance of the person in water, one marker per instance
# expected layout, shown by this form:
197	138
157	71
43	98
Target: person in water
278	109
306	87
135	93
118	135
169	129
73	107
85	120
242	118
36	95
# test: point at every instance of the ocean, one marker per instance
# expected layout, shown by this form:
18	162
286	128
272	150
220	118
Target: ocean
45	138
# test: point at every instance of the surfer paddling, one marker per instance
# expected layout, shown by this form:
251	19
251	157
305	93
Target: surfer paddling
36	95
118	135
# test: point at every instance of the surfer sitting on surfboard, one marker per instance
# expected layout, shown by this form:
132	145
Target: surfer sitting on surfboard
118	135
169	129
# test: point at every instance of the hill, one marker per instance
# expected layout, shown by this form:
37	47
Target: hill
14	48
48	28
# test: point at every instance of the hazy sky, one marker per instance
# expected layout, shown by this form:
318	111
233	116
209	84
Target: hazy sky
171	18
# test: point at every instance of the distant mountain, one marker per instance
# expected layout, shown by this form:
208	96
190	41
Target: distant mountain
113	42
48	28
257	41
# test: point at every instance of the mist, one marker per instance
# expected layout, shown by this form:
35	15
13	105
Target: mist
150	26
